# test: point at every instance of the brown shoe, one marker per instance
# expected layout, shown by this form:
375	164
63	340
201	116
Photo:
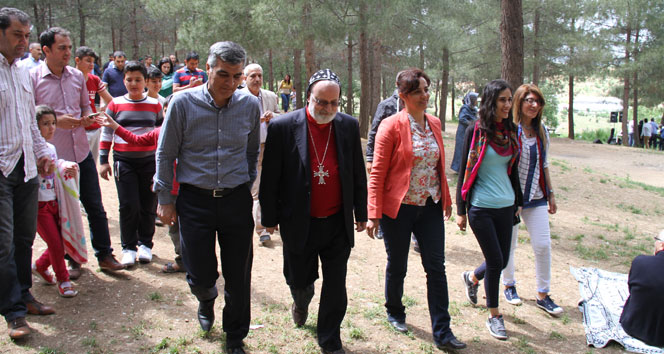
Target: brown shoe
299	315
18	328
110	263
37	308
74	270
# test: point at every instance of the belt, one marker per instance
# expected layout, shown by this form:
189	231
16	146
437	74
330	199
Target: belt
215	193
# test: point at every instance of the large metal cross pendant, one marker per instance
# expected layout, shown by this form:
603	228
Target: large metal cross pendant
320	174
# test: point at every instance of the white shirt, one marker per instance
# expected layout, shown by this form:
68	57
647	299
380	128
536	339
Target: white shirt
47	184
19	134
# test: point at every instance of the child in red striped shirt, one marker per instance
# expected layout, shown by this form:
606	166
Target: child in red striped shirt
134	164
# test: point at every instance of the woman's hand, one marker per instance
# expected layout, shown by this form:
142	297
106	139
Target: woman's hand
448	212
552	204
372	227
461	222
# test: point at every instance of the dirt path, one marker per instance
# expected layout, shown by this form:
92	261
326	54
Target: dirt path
603	221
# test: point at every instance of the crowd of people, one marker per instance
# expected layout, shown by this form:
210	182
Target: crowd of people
650	133
211	155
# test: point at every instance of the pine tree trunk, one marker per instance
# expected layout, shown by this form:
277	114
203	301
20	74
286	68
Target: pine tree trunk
40	13
536	47
445	88
134	34
511	42
435	98
309	58
270	71
452	99
376	68
81	21
635	81
349	85
297	77
113	39
365	82
570	111
626	88
422	54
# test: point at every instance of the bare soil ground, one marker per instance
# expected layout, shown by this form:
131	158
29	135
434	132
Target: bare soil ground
610	202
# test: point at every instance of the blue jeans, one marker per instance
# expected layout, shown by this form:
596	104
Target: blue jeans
426	222
91	199
285	99
18	225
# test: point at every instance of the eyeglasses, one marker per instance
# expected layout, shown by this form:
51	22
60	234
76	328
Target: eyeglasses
322	103
533	101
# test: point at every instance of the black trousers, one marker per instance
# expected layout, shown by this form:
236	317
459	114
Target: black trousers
133	180
493	230
228	220
328	241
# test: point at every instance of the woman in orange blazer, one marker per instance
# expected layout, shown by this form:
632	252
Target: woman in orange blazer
408	193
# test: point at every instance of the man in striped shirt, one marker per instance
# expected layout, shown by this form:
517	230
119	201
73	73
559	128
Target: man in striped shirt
22	152
190	75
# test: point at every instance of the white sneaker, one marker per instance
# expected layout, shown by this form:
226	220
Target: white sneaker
144	254
128	258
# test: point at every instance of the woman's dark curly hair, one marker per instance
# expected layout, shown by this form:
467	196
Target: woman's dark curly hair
488	107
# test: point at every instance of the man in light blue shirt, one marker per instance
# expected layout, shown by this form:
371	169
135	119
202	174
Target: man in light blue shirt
213	131
34	59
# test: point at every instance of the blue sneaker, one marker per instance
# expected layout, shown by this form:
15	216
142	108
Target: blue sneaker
549	306
511	296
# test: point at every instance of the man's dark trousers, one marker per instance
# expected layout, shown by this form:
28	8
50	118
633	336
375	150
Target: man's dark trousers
228	219
18	226
327	240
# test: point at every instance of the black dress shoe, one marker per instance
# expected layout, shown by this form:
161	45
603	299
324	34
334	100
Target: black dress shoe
299	315
206	314
338	351
452	344
399	326
236	350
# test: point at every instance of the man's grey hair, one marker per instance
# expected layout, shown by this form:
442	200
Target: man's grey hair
229	52
119	54
34	45
251	67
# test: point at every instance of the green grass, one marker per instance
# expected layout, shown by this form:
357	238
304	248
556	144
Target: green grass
556	336
155	296
562	164
523	346
565	319
161	345
408	301
90	342
48	350
589	253
578	237
629	183
630	208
